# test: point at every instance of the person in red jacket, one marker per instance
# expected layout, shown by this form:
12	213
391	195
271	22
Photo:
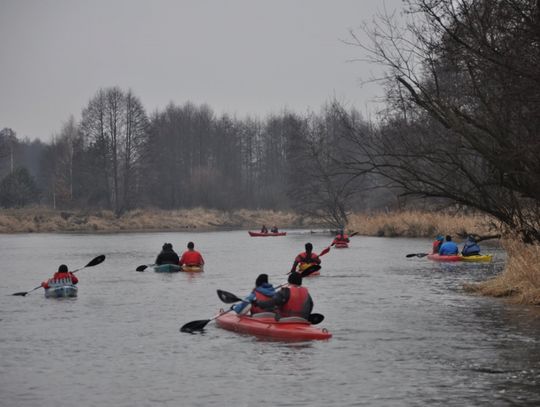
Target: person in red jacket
341	237
291	301
307	261
61	277
191	257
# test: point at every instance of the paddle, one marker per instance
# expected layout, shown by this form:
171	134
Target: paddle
417	254
143	267
94	262
230	298
315	267
310	270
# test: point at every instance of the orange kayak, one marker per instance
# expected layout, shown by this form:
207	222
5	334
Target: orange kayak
264	325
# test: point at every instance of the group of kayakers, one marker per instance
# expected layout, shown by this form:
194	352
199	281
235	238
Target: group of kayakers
447	247
273	229
190	257
289	300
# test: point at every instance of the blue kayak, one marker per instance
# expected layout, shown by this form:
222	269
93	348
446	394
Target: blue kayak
167	268
61	291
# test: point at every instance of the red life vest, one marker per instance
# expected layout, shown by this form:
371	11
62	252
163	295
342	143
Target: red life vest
294	307
303	258
259	297
60	279
192	258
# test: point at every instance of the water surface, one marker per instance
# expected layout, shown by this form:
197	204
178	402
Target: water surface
404	331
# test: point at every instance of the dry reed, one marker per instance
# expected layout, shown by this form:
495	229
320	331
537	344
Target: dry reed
418	224
520	280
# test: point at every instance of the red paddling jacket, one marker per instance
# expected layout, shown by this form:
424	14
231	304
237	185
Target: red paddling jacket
192	258
59	279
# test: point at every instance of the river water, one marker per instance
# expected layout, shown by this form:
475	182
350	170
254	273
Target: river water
405	333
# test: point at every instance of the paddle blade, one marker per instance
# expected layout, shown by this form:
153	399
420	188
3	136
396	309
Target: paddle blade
416	254
353	234
326	250
227	298
95	261
310	270
193	326
142	267
316	318
22	293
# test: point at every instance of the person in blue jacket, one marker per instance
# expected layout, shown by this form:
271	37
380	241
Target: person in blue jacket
470	247
263	291
448	248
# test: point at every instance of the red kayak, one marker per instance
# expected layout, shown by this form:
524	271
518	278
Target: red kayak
260	234
438	257
341	245
264	325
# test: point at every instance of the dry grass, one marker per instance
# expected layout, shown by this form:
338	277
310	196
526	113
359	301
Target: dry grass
40	219
520	280
418	224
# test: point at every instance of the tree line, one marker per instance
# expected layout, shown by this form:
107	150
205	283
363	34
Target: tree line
118	157
460	126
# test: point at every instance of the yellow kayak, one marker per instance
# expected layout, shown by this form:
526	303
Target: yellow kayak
477	257
192	269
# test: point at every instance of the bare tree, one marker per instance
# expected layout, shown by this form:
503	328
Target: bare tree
463	118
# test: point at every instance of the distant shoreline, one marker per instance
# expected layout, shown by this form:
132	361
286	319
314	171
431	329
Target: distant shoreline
151	220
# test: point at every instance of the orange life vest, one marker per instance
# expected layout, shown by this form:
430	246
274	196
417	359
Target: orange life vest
298	298
259	297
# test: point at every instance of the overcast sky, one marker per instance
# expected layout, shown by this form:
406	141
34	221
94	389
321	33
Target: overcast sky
242	57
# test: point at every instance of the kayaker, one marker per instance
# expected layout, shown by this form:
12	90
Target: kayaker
167	255
470	247
307	258
439	239
61	277
448	248
191	257
274	229
341	237
264	229
291	301
263	291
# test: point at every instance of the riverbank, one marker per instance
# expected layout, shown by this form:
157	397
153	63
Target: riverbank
396	224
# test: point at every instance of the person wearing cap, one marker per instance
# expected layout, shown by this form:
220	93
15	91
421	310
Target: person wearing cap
274	229
191	257
439	239
470	247
292	300
307	260
61	277
167	255
263	291
448	248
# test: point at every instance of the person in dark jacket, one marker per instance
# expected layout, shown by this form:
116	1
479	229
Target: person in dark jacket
263	291
291	301
167	255
470	247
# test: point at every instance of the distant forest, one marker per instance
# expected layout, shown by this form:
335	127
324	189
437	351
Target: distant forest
461	126
117	157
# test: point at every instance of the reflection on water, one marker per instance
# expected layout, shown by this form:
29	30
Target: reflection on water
404	331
